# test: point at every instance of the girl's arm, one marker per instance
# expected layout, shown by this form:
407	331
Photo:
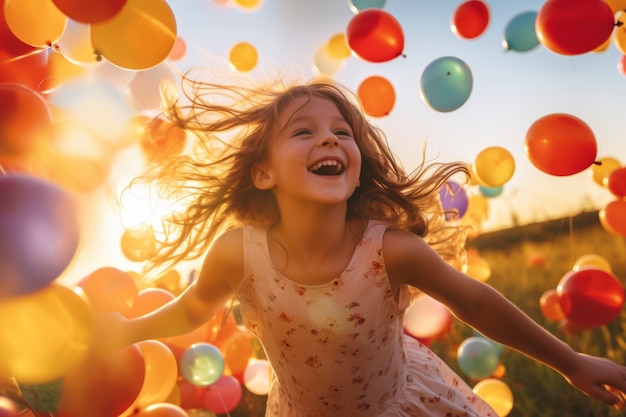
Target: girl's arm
221	272
410	260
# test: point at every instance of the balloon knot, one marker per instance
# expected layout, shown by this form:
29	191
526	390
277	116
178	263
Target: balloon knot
597	162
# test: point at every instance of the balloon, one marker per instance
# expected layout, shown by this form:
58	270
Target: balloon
616	182
560	144
616	5
202	364
619	37
375	35
138	243
446	84
520	34
559	22
44	334
550	306
590	297
75	45
35	22
358	5
24	118
162	410
140	36
257	377
426	318
90	12
145	85
478	268
477	357
377	96
326	64
337	46
494	166
222	396
39	238
60	70
592	260
103	386
601	170
497	394
613	217
470	19
621	65
237	350
110	290
148	300
189	394
243	56
453	200
179	50
490	192
248	5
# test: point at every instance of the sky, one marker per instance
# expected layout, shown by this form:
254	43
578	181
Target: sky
511	90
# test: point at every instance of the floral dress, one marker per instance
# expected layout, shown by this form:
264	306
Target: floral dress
339	349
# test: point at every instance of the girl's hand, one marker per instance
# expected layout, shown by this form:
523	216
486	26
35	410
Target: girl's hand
599	378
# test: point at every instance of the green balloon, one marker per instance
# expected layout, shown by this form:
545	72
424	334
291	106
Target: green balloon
520	34
446	84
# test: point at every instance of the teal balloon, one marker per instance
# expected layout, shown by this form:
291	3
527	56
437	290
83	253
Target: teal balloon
490	192
202	364
477	357
446	84
358	5
520	34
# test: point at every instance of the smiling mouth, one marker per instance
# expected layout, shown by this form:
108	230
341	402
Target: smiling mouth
327	167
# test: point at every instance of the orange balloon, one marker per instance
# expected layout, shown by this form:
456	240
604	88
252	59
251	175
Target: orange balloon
617	182
110	290
35	22
237	350
179	50
560	144
377	96
470	19
550	307
90	12
375	35
613	217
559	21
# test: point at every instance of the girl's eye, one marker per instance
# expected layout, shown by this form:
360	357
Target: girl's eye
301	132
343	133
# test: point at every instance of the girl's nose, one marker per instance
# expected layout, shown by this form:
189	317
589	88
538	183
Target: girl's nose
329	140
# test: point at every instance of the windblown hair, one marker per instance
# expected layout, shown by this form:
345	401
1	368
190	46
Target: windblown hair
233	127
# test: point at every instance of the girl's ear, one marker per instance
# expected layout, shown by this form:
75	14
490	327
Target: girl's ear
261	177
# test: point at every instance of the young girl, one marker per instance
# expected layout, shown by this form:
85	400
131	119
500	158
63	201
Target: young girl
305	217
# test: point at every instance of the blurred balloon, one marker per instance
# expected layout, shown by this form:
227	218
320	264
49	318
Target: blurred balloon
202	364
35	22
477	357
162	410
590	297
559	22
222	396
257	377
39	236
243	56
621	65
221	326
497	394
138	243
140	36
358	5
148	300
490	192
616	182
93	12
478	268
470	19
48	333
179	50
337	46
613	217
110	290
248	5
103	386
592	260
162	139
24	118
189	395
454	201
377	96
75	45
375	35
560	144
237	350
145	85
326	64
7	407
446	84
426	318
520	34
601	170
550	306
494	166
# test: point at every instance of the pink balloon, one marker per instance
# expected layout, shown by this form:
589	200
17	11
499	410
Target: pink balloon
223	396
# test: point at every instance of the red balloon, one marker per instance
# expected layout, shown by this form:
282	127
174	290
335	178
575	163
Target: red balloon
470	20
90	11
590	297
613	217
574	27
561	144
375	35
617	182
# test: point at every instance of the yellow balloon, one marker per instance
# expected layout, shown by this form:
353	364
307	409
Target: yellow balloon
601	171
248	4
478	268
616	5
35	22
592	260
619	35
243	56
139	37
45	334
497	394
494	166
337	47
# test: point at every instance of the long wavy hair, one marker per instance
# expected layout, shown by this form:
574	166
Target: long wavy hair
232	127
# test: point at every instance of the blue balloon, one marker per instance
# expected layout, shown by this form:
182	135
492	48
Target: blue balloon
446	84
490	192
358	5
453	200
478	357
202	364
520	34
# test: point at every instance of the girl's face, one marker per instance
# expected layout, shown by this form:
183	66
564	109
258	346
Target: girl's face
314	157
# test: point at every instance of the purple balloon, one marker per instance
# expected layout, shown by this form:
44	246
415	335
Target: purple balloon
453	200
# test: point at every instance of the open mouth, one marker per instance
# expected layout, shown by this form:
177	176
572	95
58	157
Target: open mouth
327	167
